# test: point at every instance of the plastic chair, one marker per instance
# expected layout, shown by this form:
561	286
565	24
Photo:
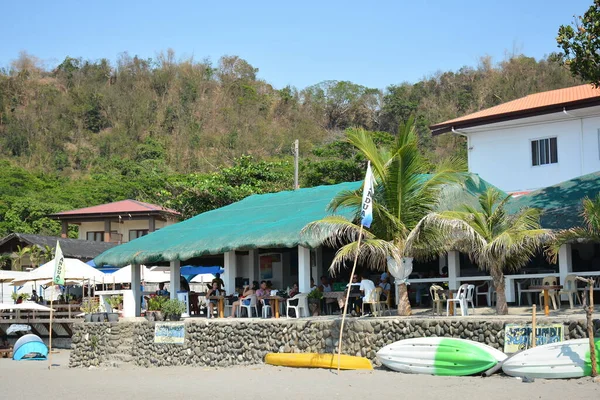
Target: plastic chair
372	301
483	290
266	310
387	303
459	300
302	305
569	289
550	281
436	301
250	306
469	295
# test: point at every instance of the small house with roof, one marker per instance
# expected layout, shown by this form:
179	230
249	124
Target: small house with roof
533	142
117	222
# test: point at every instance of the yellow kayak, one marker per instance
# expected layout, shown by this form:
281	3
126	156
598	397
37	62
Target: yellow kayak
316	360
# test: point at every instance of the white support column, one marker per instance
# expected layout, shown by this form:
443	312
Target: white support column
320	266
565	264
136	289
252	264
303	269
175	270
230	271
453	269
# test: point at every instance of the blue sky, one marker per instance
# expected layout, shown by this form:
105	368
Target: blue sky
300	43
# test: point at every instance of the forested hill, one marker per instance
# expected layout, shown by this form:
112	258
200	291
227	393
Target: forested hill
140	127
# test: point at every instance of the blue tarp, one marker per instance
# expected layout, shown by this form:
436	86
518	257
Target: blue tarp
107	269
194	270
30	347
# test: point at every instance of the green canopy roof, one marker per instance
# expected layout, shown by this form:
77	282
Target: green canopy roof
259	221
561	204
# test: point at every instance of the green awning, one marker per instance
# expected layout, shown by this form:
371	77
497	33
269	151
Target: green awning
260	221
561	204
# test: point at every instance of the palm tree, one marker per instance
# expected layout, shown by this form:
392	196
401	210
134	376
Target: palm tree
589	233
495	240
18	256
403	195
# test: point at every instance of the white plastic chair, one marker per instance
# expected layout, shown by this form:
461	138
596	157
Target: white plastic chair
372	301
250	306
552	294
266	309
459	300
469	296
569	289
301	306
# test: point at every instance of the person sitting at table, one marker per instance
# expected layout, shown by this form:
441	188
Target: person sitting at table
295	290
312	284
325	286
248	291
214	291
161	290
34	297
354	301
262	292
385	287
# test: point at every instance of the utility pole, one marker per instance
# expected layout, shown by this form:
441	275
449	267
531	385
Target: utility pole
296	156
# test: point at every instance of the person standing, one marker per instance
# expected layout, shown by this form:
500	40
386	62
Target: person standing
366	288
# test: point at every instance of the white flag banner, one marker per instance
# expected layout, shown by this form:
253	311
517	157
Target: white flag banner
59	266
366	213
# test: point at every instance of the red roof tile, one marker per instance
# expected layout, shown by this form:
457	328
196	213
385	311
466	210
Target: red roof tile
123	206
528	103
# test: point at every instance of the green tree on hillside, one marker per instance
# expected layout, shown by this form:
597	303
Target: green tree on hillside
581	44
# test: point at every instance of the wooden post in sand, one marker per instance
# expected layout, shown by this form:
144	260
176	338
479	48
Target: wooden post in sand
590	322
50	328
347	298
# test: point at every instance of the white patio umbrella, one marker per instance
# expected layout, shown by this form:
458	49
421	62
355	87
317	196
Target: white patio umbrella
9	276
25	306
146	274
74	270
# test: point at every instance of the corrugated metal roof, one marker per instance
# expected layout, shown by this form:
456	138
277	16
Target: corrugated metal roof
123	206
73	248
528	103
261	221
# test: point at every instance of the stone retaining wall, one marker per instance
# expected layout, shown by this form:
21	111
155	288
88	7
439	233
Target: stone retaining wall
238	342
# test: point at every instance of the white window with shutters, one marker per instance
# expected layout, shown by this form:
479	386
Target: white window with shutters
544	151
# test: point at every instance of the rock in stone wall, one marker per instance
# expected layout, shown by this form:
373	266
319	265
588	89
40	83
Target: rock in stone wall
238	342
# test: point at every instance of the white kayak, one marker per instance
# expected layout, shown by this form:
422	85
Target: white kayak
568	359
439	356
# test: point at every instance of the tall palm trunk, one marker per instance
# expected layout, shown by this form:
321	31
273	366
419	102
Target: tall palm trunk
498	280
404	309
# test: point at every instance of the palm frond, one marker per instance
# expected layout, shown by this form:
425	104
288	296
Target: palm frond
334	231
372	253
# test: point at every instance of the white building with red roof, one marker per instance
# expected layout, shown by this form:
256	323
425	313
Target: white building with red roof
535	141
117	222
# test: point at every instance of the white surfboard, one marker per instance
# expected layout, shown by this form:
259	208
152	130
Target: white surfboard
439	356
568	359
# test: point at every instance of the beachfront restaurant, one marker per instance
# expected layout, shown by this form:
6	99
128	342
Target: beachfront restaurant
561	209
260	238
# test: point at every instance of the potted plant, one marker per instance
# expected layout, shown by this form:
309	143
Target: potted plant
314	301
115	303
154	311
88	309
172	309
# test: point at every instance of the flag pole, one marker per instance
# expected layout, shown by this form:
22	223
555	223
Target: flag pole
347	298
50	330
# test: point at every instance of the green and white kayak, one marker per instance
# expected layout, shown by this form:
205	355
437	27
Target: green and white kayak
568	359
439	356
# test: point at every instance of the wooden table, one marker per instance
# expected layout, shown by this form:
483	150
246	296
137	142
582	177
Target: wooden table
546	289
275	306
220	306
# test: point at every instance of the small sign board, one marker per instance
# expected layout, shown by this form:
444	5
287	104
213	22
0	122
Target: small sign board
169	332
517	337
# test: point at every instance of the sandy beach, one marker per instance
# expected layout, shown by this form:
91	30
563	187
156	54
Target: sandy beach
30	379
